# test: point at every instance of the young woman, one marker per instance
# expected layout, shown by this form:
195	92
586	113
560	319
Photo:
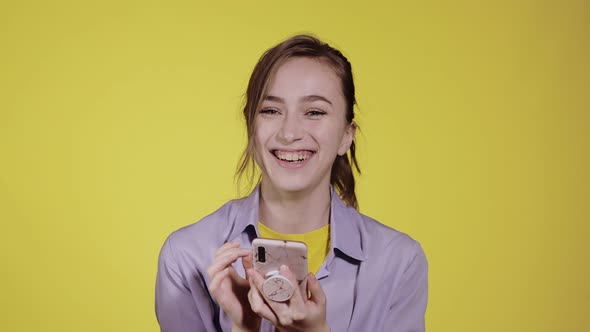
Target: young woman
365	276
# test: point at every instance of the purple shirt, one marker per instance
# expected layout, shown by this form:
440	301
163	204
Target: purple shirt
374	277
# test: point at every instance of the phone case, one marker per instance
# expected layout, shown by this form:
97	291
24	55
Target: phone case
278	252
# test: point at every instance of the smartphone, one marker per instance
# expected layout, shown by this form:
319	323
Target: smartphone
270	254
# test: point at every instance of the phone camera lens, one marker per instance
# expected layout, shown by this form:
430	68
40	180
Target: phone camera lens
261	255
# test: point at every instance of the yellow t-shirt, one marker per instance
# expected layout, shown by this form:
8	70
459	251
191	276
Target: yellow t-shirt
317	241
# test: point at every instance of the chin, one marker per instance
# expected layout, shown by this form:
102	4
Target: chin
292	184
293	180
289	186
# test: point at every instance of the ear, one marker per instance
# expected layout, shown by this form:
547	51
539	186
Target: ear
347	138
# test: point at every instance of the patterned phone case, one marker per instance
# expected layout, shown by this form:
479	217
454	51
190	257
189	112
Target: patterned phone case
279	252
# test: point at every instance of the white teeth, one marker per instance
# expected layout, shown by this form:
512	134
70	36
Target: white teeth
291	156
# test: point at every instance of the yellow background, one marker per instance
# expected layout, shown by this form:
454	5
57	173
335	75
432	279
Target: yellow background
120	122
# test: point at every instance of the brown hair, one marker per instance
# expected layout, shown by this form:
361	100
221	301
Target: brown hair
342	177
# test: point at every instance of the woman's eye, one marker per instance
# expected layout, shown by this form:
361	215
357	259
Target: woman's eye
315	113
268	111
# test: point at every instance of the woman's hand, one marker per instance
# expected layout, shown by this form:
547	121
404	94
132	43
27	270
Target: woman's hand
299	313
229	289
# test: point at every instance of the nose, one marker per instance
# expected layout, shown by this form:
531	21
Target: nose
291	129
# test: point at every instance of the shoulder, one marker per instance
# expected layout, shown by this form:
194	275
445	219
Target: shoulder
382	243
380	235
366	239
394	256
196	243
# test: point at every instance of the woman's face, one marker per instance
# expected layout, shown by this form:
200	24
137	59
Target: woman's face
301	126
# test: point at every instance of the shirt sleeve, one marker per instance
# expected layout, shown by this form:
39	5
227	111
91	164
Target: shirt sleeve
178	305
408	305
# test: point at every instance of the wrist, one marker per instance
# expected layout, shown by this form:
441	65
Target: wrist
323	328
254	328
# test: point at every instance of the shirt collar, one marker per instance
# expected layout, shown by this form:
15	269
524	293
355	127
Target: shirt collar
346	224
246	214
346	228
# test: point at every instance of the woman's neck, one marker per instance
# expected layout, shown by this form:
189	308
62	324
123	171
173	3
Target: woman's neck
294	213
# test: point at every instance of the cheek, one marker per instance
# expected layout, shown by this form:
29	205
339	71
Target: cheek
332	135
261	135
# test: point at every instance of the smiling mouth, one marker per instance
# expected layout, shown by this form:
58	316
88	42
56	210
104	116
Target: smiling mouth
293	156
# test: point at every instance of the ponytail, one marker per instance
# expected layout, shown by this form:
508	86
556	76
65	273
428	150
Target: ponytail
342	177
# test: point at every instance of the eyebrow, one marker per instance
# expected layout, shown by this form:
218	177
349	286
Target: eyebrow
308	98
